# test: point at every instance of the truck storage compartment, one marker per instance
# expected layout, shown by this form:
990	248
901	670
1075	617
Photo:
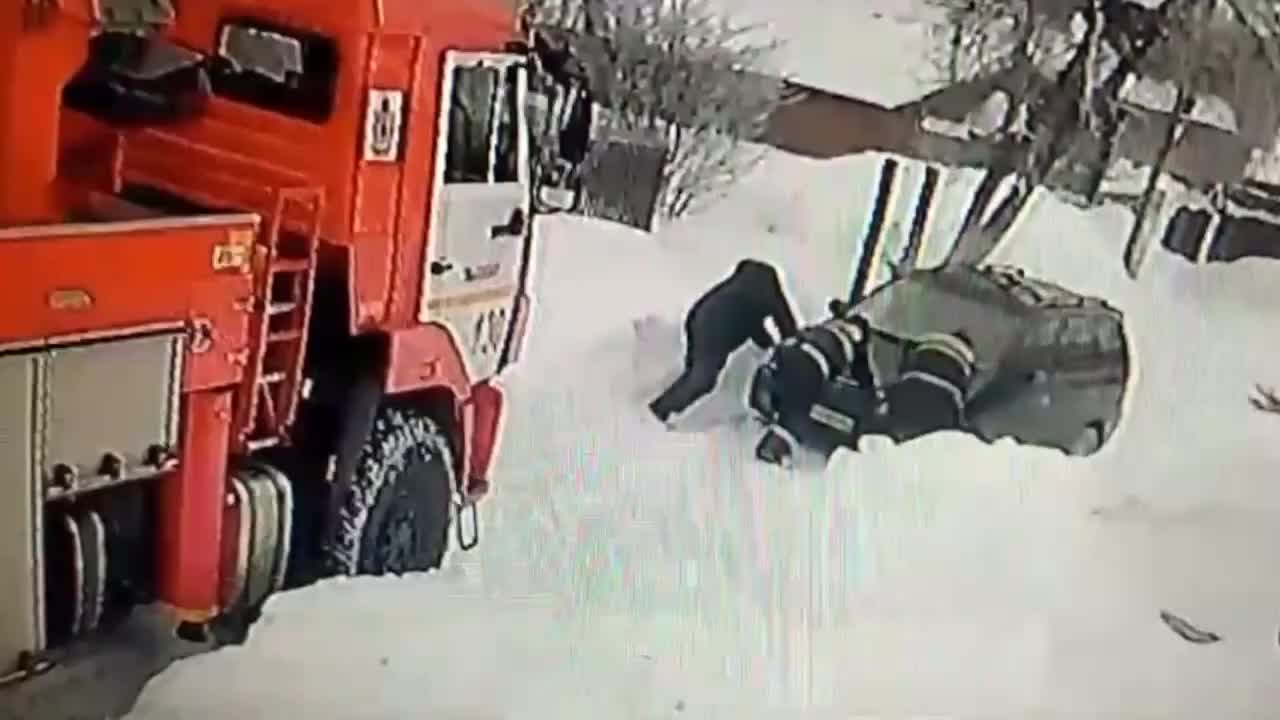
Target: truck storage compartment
87	277
106	411
21	611
80	281
74	419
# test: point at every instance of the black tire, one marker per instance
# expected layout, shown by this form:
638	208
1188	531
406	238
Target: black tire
395	510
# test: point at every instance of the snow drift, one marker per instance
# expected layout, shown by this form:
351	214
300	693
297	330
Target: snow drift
630	572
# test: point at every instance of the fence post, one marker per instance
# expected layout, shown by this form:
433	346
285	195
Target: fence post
873	240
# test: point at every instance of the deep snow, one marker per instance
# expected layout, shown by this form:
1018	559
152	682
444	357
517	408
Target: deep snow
627	572
872	50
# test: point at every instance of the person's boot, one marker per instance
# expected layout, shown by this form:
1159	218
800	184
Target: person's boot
661	415
774	449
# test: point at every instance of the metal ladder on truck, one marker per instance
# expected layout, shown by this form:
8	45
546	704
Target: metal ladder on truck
268	401
284	260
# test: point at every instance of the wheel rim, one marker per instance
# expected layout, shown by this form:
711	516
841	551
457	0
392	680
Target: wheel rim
398	539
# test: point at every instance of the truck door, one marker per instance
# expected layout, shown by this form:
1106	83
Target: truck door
478	239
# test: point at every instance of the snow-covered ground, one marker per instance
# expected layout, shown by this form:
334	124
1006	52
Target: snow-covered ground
872	50
630	572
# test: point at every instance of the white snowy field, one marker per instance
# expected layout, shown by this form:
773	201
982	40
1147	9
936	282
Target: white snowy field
872	50
629	572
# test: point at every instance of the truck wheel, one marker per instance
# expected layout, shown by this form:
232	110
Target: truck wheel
394	515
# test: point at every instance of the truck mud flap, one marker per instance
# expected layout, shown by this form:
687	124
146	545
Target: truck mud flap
236	564
75	553
265	534
263	500
94	579
78	569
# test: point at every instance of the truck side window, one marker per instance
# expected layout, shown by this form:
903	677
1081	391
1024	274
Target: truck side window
470	124
483	126
507	142
286	71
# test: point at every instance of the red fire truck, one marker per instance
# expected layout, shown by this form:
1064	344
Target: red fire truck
261	264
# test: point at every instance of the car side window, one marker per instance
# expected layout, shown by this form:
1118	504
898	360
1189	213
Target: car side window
1082	346
1110	337
1039	352
1078	332
1046	334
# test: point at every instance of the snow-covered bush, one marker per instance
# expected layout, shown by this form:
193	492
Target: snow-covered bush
682	73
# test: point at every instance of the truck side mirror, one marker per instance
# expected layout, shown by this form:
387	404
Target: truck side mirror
575	134
556	199
555	191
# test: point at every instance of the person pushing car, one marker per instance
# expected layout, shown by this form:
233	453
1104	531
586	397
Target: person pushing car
724	319
797	371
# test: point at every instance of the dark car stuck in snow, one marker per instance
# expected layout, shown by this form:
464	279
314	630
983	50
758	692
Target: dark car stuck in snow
983	350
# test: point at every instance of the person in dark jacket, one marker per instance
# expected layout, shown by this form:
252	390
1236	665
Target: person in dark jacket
798	371
720	322
929	395
859	328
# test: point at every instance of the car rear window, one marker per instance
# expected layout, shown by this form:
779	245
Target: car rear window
1080	331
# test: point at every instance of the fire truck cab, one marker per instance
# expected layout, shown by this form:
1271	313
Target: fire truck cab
262	264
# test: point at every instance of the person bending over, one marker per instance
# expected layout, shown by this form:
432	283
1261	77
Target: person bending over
721	321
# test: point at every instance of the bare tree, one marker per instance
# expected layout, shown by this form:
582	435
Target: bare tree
680	72
1017	37
1187	31
1091	49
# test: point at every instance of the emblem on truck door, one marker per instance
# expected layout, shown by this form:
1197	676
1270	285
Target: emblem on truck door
382	125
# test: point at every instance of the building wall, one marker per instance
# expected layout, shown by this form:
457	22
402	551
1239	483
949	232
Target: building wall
822	125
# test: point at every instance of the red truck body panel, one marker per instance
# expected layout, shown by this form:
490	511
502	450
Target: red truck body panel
277	195
92	279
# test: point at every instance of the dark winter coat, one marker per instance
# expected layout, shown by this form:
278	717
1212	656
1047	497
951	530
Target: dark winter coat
735	310
930	394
